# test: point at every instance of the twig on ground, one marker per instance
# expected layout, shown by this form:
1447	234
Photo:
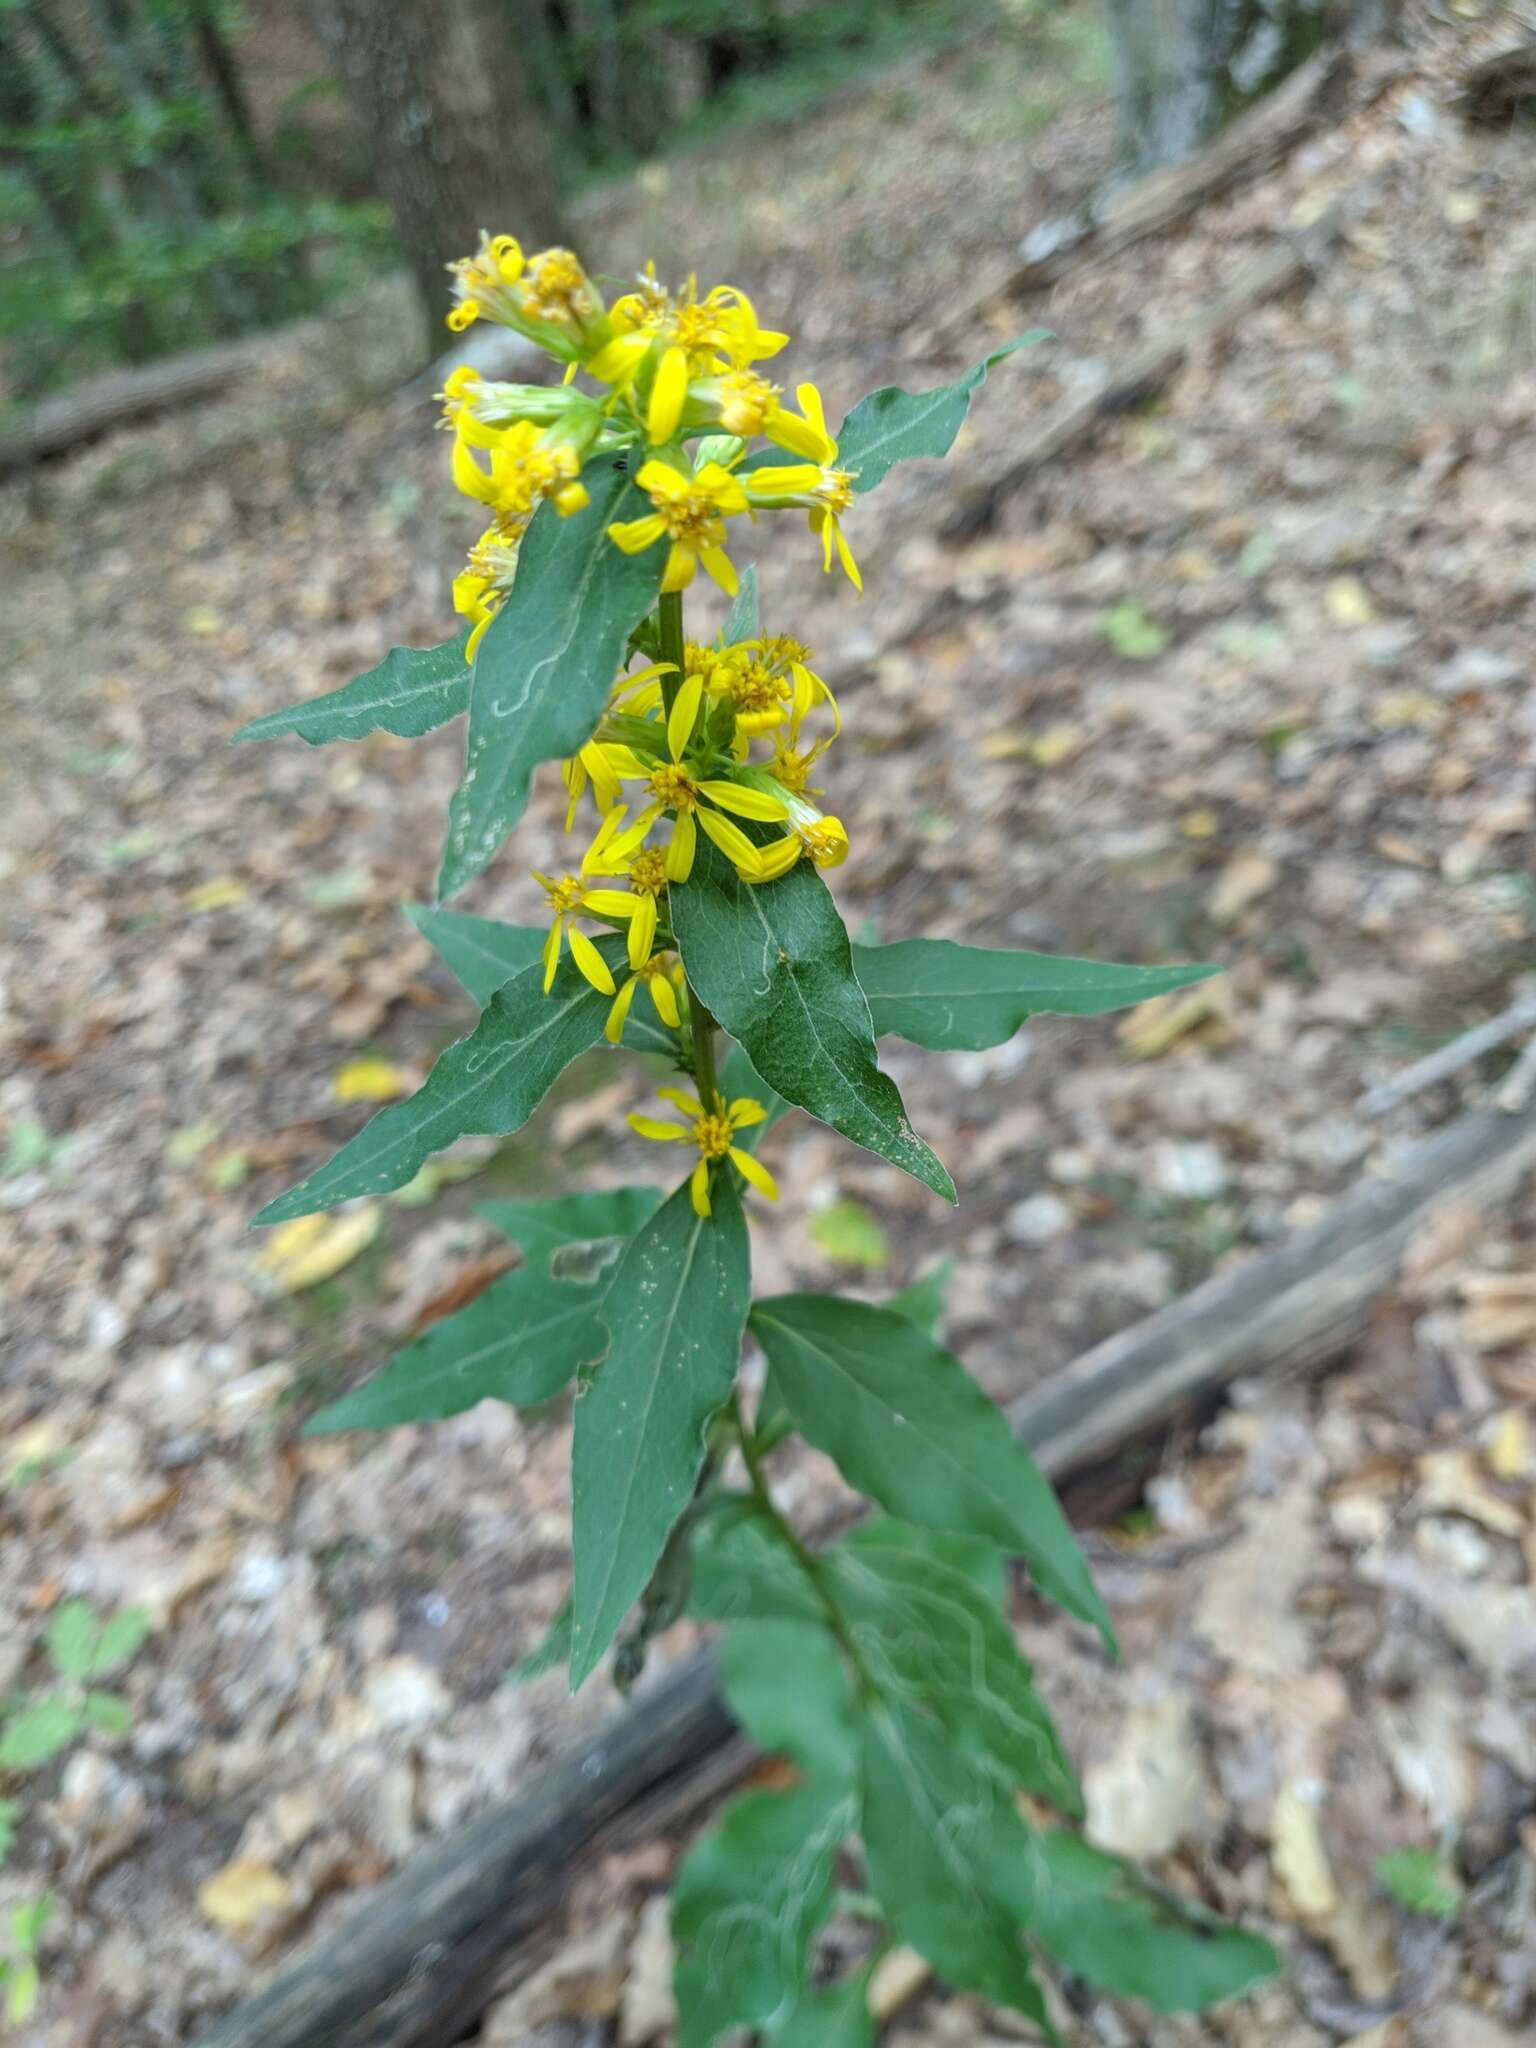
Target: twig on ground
1450	1059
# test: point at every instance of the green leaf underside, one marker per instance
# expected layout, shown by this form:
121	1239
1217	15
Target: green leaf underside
488	1084
551	1650
411	691
747	1901
674	1312
542	1228
938	1833
741	620
809	1719
953	998
520	1341
907	1426
891	425
839	2018
483	954
1096	1916
932	1639
543	671
743	1571
774	965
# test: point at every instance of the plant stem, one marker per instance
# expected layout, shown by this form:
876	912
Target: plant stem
669	620
790	1537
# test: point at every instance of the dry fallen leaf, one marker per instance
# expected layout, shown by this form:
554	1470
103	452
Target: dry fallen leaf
368	1079
1245	878
312	1248
1348	603
244	1895
1509	1444
1450	1483
222	893
1297	1853
1154	1027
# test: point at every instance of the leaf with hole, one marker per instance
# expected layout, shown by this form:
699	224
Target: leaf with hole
891	425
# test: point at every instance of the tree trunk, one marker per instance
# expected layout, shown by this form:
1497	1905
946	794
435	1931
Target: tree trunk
1184	67
455	141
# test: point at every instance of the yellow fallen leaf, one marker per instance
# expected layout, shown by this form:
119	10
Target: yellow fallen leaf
1056	744
312	1248
1509	1444
222	893
1348	603
1153	1027
1451	1484
1394	709
1246	877
1200	824
1296	1851
369	1080
202	619
244	1894
1005	746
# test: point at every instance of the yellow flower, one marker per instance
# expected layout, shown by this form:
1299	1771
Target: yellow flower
565	897
662	975
694	799
526	466
826	494
691	512
713	1131
480	589
823	841
640	906
547	297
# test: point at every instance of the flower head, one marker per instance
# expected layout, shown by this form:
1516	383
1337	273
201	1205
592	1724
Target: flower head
566	897
690	511
662	976
547	297
713	1131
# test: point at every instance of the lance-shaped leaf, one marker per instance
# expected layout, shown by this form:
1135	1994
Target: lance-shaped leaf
519	1341
551	1650
962	998
544	669
743	1570
483	954
489	1084
1097	1916
907	1425
674	1312
838	2018
812	1719
891	425
933	1639
939	1832
544	1228
774	965
410	692
747	1901
741	620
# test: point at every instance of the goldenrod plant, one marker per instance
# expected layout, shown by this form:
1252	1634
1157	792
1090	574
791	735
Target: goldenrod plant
690	923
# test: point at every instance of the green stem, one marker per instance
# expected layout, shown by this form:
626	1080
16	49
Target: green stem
805	1558
669	621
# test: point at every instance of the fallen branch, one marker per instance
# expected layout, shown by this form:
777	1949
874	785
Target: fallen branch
1254	144
1290	260
1450	1059
424	1955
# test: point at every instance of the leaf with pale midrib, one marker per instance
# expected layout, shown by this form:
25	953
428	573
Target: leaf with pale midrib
891	425
410	692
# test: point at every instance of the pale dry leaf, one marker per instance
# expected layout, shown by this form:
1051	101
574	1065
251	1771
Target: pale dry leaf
1297	1853
369	1079
1450	1482
1246	877
245	1896
310	1249
898	1977
1155	1027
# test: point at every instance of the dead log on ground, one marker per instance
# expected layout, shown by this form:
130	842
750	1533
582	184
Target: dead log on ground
420	1959
1290	260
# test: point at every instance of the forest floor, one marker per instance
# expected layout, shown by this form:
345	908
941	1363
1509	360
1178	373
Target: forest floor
1248	679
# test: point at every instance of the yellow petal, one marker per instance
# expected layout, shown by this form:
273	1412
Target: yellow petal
776	858
660	479
552	953
732	842
678	573
634	536
719	565
613	1030
653	1127
664	996
690	1105
745	802
610	903
745	1111
680	848
754	1172
642	932
683	716
468	476
669	394
698	1188
591	962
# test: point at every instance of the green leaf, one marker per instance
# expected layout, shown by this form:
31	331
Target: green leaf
71	1639
747	1901
939	1833
908	1426
29	1922
963	998
786	1684
109	1712
741	620
1421	1882
839	2018
1131	633
120	1639
1094	1915
551	1650
924	1301
972	1556
773	964
483	954
37	1733
546	1227
891	425
520	1341
850	1235
410	692
480	952
548	660
674	1312
490	1083
933	1640
23	1986
10	1814
742	1569
738	1076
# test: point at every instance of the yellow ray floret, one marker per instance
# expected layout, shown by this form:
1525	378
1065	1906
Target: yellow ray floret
713	1131
564	897
662	976
691	512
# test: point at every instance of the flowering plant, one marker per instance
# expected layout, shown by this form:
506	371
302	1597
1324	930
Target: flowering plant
883	1666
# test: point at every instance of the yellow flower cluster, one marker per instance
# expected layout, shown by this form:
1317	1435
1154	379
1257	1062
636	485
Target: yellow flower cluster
713	1131
670	367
